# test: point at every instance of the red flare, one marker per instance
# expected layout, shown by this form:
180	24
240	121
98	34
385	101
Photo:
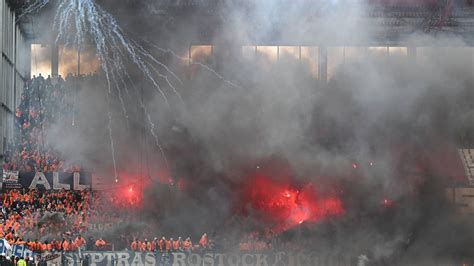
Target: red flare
284	206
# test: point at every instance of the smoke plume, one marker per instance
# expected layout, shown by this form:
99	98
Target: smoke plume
378	135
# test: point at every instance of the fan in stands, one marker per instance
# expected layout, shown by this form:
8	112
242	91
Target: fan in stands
58	221
43	102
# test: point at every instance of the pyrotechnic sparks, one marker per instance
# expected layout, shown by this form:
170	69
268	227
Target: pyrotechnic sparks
33	7
386	203
196	63
78	21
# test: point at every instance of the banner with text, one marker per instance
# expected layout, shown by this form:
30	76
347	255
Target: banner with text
23	251
48	181
5	248
199	259
10	179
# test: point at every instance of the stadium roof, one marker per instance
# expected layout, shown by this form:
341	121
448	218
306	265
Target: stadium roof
391	3
392	18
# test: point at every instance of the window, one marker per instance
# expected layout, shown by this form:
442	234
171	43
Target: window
40	59
200	53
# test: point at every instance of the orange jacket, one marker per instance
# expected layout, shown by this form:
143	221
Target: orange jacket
72	246
9	236
80	241
143	246
30	245
161	244
99	243
187	244
203	241
133	246
150	246
16	225
65	246
175	245
38	247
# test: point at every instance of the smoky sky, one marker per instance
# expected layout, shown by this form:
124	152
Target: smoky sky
402	115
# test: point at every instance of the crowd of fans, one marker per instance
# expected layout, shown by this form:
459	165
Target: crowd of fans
58	221
43	103
54	221
58	216
171	245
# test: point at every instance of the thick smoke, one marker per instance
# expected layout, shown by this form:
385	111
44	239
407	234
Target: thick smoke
382	128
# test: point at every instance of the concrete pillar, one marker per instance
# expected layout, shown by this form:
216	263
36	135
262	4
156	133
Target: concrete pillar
54	60
78	61
411	53
2	83
323	63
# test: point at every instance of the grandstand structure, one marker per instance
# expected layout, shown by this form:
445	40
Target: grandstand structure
389	20
390	26
14	67
390	23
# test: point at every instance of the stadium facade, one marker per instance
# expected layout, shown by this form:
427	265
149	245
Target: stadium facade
14	68
390	23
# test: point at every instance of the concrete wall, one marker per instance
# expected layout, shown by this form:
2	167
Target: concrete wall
462	198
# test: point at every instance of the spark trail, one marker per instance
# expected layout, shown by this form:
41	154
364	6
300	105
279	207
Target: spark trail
81	21
196	63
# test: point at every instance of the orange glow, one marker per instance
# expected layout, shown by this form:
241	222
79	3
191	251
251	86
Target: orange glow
310	56
200	52
40	59
378	50
354	53
269	53
286	206
289	51
89	61
67	60
335	59
398	51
